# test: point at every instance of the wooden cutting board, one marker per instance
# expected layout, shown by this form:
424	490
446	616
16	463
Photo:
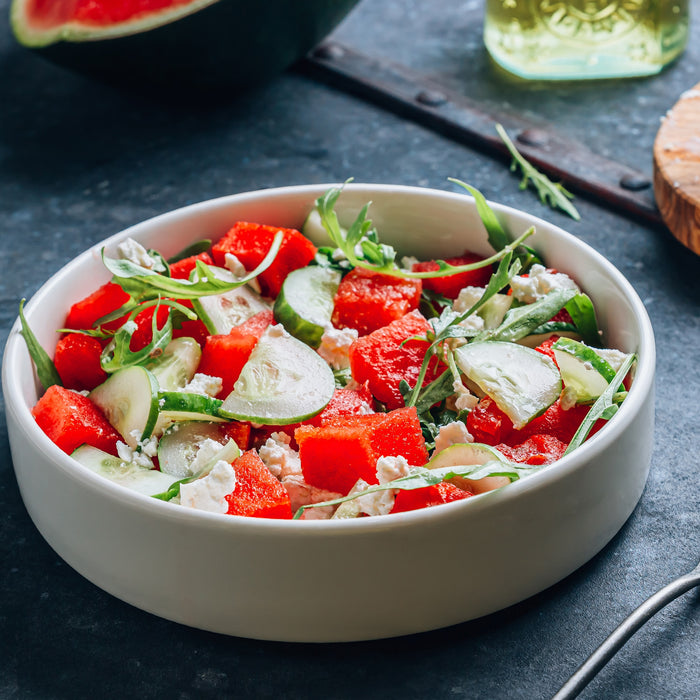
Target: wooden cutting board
677	169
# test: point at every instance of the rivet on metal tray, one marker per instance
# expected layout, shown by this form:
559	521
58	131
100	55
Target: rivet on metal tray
329	52
634	182
431	98
533	137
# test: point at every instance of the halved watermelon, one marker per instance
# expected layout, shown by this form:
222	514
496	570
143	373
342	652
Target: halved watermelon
195	43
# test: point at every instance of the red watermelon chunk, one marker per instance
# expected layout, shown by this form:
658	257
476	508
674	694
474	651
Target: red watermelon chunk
71	420
257	494
334	456
182	268
77	361
250	243
428	496
450	285
367	300
83	314
224	356
383	359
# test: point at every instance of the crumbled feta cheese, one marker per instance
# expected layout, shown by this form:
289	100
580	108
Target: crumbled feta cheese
391	468
279	457
454	433
568	398
206	453
209	493
134	252
149	446
467	297
408	261
539	282
203	384
234	265
335	346
301	494
130	456
382	502
462	399
613	357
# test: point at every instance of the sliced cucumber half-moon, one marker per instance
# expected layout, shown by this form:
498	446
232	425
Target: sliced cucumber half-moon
177	365
524	383
135	477
129	399
222	312
305	303
283	382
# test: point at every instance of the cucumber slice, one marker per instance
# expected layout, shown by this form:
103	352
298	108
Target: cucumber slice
178	448
467	454
177	365
222	312
494	310
135	477
524	383
129	399
181	406
583	370
305	303
284	381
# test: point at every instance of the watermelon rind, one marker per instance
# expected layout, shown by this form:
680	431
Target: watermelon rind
206	45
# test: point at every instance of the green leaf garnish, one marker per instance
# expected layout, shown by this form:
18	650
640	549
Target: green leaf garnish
143	284
582	313
45	368
361	247
554	194
420	477
604	407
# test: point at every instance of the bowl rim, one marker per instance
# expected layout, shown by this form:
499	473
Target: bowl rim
590	449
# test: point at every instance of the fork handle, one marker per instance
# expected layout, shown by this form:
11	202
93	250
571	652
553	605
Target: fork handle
586	672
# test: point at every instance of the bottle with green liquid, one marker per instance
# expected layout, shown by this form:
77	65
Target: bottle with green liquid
580	39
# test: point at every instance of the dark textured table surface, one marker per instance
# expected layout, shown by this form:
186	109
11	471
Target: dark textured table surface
80	161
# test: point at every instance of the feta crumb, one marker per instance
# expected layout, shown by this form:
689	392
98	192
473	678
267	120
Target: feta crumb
382	502
209	493
454	433
130	456
613	357
467	297
203	384
538	283
390	468
568	398
335	346
408	261
279	457
134	252
207	451
234	265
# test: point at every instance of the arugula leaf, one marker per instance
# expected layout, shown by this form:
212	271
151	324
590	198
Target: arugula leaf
142	284
523	320
420	477
604	407
45	368
118	354
360	244
551	193
582	313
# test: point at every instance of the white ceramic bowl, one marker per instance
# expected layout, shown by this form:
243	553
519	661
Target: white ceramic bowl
347	580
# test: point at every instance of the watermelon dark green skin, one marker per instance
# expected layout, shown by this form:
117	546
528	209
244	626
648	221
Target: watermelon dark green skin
223	44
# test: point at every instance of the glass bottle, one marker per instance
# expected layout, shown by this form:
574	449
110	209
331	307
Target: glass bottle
579	39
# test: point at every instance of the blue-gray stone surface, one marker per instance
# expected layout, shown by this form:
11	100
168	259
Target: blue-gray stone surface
80	161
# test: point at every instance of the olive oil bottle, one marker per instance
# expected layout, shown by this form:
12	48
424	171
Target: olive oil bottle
579	39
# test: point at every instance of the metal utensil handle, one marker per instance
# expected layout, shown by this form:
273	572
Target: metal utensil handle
617	639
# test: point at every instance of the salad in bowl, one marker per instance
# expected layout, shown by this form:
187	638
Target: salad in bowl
286	384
